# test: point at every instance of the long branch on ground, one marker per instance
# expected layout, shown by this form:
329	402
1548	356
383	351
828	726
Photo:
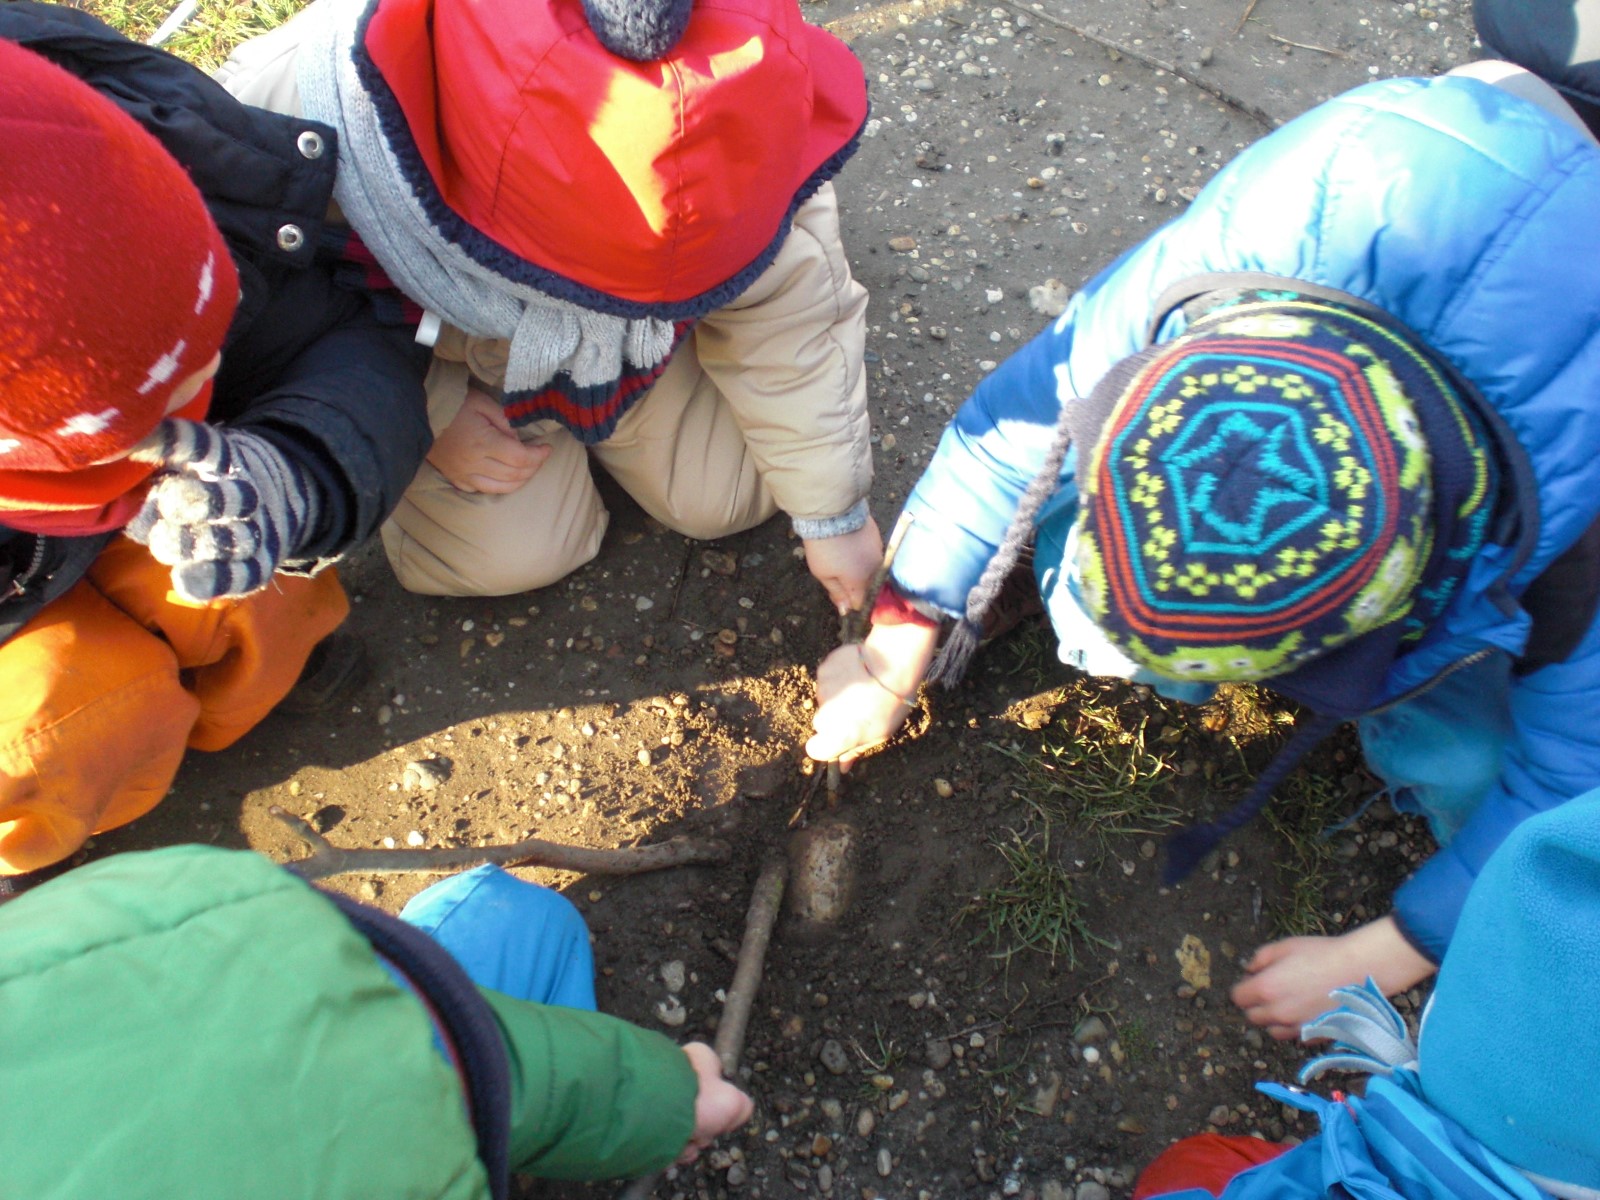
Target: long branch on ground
326	859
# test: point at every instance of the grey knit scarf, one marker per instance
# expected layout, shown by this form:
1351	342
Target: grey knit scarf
547	335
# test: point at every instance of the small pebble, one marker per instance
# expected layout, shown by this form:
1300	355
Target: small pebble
885	1161
833	1057
424	774
670	1012
1090	1030
674	975
415	838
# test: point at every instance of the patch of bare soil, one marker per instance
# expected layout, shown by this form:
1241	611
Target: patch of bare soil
1011	1005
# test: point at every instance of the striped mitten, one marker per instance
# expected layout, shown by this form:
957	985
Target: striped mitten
225	510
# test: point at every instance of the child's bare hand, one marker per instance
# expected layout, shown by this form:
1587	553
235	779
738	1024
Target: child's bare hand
719	1107
865	692
480	452
844	565
1289	982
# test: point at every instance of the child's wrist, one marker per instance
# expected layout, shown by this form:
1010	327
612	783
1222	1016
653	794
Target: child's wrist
875	672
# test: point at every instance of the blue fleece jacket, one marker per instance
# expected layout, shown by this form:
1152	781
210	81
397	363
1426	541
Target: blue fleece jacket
1468	215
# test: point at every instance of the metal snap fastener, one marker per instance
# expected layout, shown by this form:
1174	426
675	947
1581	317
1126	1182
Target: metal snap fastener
291	238
311	144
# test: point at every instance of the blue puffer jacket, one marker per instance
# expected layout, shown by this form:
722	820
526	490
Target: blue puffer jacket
1467	214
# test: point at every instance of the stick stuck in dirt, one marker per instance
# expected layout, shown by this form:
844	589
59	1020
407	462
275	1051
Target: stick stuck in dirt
766	900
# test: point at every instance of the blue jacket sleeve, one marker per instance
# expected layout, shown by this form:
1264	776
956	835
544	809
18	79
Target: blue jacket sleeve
1553	755
998	441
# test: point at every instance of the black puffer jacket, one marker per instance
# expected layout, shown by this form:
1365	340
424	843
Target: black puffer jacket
307	363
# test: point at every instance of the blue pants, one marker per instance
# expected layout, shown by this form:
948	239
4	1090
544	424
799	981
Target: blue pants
517	938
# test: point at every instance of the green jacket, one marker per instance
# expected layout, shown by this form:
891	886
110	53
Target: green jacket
197	1022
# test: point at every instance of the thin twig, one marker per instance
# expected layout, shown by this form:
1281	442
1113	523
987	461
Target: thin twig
683	574
327	859
765	899
852	627
1308	46
799	815
1248	9
1205	85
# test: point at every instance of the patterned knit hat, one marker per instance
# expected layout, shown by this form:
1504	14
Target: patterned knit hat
115	286
1261	492
1291	489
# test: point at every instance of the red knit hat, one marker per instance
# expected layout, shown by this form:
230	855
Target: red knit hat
115	286
637	157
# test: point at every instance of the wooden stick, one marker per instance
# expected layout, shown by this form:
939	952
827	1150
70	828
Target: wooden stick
327	859
1308	46
852	626
765	900
1248	9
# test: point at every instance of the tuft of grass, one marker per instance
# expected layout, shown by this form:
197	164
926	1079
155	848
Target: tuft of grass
209	36
1031	653
886	1054
1307	806
1035	909
1107	780
1135	1040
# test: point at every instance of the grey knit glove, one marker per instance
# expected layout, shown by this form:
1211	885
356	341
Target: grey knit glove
225	510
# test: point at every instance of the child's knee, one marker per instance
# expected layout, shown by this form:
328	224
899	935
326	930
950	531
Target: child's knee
708	512
458	567
443	542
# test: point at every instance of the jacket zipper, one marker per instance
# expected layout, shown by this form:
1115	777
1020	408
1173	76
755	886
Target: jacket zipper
19	583
1477	656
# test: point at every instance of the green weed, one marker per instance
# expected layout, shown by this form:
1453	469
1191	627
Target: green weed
1106	781
1306	807
885	1055
1036	908
1135	1040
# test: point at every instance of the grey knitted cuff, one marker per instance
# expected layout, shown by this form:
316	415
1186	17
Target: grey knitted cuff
811	528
